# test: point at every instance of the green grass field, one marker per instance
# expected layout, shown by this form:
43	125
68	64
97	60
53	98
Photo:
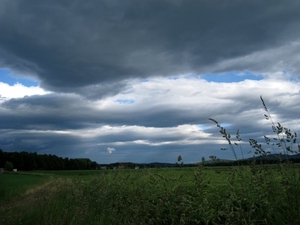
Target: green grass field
16	184
218	195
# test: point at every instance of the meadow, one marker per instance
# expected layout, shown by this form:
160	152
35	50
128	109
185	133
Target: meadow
253	194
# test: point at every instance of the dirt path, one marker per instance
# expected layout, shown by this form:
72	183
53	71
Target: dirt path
22	204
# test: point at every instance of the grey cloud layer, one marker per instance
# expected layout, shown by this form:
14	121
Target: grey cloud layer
156	103
158	124
74	44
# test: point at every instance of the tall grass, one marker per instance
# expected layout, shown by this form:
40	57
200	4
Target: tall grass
254	194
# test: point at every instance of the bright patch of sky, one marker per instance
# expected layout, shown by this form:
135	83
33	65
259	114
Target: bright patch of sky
231	77
125	101
19	91
13	87
203	127
225	124
6	77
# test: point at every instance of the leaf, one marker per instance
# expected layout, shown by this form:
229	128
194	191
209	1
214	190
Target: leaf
214	120
263	102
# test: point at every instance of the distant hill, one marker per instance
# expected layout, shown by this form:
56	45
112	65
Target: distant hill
218	161
159	164
271	158
275	157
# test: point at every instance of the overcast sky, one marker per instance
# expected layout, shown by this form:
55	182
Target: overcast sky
137	80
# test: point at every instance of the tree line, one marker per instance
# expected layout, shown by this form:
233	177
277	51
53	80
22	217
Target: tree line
28	161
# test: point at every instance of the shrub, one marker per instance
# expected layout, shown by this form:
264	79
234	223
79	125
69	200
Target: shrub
9	166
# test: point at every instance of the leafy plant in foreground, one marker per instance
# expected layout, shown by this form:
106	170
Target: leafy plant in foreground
284	139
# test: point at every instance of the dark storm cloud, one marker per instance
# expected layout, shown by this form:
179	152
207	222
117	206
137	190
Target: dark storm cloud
76	44
51	111
57	111
61	111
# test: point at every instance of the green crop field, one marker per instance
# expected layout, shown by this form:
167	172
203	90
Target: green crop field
217	195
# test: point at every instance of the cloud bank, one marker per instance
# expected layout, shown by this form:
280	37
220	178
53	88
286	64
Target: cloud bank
143	77
71	45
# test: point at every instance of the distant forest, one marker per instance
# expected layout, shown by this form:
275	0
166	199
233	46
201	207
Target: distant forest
28	161
32	161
